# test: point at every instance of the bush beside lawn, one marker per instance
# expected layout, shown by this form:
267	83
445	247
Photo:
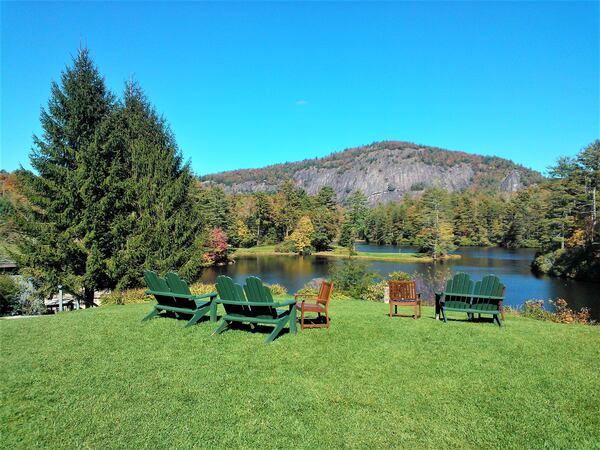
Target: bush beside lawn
102	379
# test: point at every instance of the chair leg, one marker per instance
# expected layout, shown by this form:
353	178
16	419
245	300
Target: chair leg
213	311
224	324
196	317
153	313
275	332
302	319
293	319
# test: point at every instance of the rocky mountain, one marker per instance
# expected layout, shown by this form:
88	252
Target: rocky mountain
384	171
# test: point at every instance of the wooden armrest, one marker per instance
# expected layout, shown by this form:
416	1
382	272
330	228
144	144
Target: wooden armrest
211	294
246	303
308	296
173	294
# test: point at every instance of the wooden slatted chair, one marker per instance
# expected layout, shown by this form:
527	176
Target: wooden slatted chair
457	295
256	306
404	293
173	295
483	297
321	305
488	296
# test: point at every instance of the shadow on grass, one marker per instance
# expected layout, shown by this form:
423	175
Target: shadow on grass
181	317
315	321
256	328
466	320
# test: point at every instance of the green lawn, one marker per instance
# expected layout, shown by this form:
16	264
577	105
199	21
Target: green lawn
102	379
340	252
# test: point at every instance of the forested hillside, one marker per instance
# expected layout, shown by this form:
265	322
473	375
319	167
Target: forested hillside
384	171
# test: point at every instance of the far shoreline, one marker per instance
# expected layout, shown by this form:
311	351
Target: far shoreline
340	253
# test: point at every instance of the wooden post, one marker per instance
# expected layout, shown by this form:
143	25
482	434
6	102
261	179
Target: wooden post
60	298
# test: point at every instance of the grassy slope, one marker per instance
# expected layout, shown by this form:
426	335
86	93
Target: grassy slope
101	379
339	252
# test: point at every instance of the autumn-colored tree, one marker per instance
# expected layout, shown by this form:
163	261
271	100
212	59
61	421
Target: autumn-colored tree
302	235
217	248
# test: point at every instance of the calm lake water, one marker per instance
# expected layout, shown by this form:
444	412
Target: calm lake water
512	266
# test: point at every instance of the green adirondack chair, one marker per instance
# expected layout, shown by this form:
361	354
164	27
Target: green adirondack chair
173	294
457	295
488	296
256	306
485	297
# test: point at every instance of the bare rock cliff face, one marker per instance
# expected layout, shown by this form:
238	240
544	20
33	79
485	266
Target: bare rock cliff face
381	181
383	172
512	182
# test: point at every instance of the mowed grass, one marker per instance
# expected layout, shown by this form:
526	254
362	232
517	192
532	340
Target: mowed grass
103	379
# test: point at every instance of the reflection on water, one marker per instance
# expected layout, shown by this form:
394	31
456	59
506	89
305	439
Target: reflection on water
512	266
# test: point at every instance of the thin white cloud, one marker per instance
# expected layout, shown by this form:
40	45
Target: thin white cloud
301	102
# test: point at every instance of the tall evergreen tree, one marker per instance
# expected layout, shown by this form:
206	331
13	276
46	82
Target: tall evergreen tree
162	226
357	213
56	246
436	235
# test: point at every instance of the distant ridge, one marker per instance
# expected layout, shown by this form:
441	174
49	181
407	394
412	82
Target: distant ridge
384	171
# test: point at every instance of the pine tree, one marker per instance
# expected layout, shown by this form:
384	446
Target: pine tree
262	216
326	198
357	213
325	222
436	235
163	230
57	247
347	236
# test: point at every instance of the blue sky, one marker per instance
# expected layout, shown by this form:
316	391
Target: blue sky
249	84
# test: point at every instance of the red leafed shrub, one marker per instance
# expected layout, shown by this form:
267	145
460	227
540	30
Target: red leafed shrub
217	248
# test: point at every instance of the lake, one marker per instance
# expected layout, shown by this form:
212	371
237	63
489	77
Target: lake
512	266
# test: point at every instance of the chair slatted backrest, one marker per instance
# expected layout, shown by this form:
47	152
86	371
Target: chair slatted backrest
458	291
402	290
488	293
325	292
158	284
256	291
228	290
179	286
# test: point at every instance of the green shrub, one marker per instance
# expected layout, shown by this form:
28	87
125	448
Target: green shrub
534	309
400	276
543	263
125	297
201	288
277	289
136	296
419	186
375	292
27	300
287	246
353	278
8	290
312	291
